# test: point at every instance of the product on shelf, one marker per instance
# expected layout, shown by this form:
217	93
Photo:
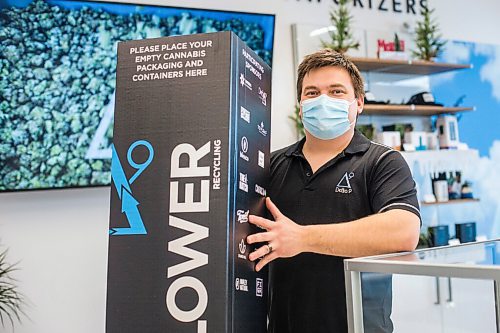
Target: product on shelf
415	140
423	98
466	192
447	127
371	99
465	232
390	138
438	235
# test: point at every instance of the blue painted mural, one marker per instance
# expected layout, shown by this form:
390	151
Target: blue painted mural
480	129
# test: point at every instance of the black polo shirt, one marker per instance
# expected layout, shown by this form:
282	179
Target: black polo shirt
307	292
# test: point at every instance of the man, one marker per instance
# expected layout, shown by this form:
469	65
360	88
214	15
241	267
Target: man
339	195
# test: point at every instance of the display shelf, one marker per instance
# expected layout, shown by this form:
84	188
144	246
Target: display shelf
448	202
411	110
431	161
418	67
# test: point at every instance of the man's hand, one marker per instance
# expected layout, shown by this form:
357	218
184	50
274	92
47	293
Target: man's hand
283	237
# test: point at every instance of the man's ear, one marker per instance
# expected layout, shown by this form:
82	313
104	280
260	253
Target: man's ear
360	103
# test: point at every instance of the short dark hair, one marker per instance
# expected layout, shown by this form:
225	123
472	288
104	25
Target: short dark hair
325	58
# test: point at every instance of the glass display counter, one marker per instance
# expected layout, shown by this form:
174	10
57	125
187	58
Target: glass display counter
445	289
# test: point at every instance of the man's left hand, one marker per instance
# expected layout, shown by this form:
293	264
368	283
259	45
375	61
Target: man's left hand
283	237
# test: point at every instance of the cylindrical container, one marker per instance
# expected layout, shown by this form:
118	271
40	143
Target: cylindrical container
441	190
432	141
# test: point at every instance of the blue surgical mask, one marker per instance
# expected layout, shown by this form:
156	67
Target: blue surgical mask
325	117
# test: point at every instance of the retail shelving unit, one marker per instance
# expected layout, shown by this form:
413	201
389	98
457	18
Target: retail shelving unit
411	110
449	202
417	67
412	67
428	161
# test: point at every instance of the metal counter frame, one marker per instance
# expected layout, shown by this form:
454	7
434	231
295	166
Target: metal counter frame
376	264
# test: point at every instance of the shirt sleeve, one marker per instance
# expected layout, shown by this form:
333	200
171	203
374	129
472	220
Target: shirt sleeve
392	185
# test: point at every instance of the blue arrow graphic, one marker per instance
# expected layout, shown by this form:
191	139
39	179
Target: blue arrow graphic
119	178
129	203
129	207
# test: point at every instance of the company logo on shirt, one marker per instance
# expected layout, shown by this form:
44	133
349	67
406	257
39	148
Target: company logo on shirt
344	186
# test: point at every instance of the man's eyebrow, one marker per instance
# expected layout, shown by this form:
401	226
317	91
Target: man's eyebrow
337	85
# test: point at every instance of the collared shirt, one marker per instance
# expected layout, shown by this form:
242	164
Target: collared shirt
307	291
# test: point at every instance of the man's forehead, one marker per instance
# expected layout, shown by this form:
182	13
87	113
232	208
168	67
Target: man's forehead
328	69
330	74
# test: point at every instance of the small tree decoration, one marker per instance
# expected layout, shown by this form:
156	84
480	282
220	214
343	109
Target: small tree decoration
341	37
11	301
397	43
298	121
428	38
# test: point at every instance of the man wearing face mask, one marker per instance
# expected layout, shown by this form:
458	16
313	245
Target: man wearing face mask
335	194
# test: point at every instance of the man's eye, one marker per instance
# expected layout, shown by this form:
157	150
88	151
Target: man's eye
311	93
336	92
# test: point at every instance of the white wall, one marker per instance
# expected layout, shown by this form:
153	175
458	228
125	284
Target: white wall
60	237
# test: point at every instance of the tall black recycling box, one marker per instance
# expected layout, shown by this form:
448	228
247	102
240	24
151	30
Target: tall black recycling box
190	162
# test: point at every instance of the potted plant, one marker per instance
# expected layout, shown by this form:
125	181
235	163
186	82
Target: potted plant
11	300
427	38
341	35
297	121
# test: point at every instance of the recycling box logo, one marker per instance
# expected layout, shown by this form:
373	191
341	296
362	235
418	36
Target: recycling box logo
122	186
